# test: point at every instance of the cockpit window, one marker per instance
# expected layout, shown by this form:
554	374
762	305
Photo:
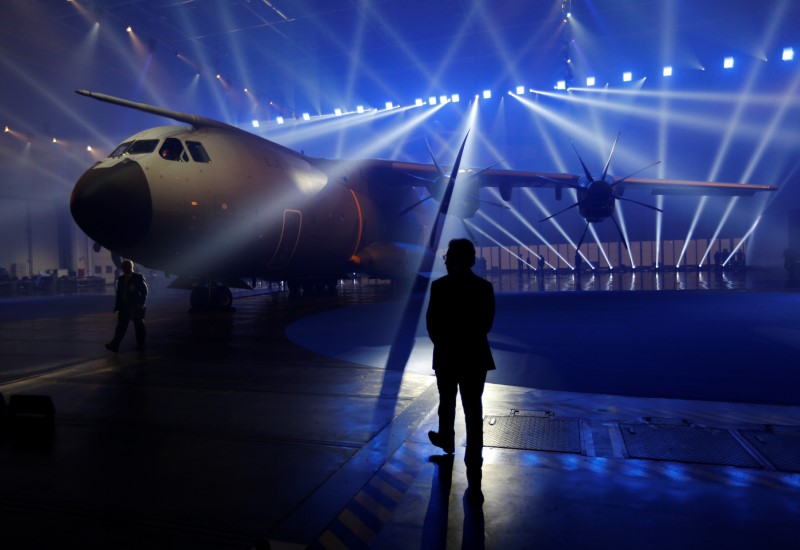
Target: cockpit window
197	151
120	150
173	150
142	147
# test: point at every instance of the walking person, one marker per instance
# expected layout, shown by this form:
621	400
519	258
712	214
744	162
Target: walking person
459	317
129	306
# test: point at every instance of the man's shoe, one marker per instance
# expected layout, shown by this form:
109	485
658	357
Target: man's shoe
447	446
112	347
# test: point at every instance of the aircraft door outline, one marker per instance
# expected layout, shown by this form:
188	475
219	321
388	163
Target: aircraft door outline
290	237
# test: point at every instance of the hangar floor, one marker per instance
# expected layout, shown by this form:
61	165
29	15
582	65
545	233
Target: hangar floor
661	419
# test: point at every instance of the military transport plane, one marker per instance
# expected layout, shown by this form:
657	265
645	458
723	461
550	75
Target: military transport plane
217	206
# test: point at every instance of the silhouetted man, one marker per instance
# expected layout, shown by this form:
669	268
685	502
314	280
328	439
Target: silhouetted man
459	318
129	305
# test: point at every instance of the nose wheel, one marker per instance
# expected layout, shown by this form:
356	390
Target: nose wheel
216	297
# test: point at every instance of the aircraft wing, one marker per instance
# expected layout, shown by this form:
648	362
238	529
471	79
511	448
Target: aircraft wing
407	173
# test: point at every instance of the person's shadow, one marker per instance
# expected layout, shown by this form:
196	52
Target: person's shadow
434	529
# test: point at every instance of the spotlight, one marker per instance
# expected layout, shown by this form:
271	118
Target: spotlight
520	90
279	120
667	71
55	140
129	29
89	148
7	130
627	76
590	81
455	98
306	116
432	100
788	54
419	102
561	85
255	124
389	105
219	77
360	109
487	94
246	91
338	112
727	63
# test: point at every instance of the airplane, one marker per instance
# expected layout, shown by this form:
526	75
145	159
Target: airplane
216	205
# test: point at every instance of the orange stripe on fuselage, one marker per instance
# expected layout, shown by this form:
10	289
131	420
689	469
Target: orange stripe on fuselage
360	222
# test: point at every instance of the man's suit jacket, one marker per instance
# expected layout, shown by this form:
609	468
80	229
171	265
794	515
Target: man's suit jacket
132	294
459	318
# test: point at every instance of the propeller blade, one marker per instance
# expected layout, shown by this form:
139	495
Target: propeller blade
486	169
413	206
640	203
585	170
560	211
420	178
611	154
433	157
631	175
621	236
448	194
497	204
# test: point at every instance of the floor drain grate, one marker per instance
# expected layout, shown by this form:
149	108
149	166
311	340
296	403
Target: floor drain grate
533	433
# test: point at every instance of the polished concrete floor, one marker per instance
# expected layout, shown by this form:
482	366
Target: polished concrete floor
661	419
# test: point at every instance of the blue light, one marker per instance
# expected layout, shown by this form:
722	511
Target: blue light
788	54
627	76
590	81
520	90
667	71
728	63
487	94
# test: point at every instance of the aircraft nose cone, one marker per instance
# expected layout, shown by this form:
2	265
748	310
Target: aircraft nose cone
113	205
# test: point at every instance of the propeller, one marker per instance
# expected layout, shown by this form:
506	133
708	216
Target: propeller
444	205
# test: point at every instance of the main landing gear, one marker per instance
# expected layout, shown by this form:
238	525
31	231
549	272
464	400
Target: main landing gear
214	297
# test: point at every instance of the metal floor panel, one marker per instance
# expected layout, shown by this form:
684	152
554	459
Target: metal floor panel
532	433
782	450
685	444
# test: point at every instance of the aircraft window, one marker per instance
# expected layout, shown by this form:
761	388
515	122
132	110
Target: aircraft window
197	151
173	150
120	150
142	146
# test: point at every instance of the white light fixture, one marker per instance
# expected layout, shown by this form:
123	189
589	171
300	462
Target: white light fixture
788	54
590	81
337	112
627	76
306	116
727	63
279	120
419	102
487	94
455	98
442	99
432	100
255	124
360	109
520	90
389	105
561	85
667	71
